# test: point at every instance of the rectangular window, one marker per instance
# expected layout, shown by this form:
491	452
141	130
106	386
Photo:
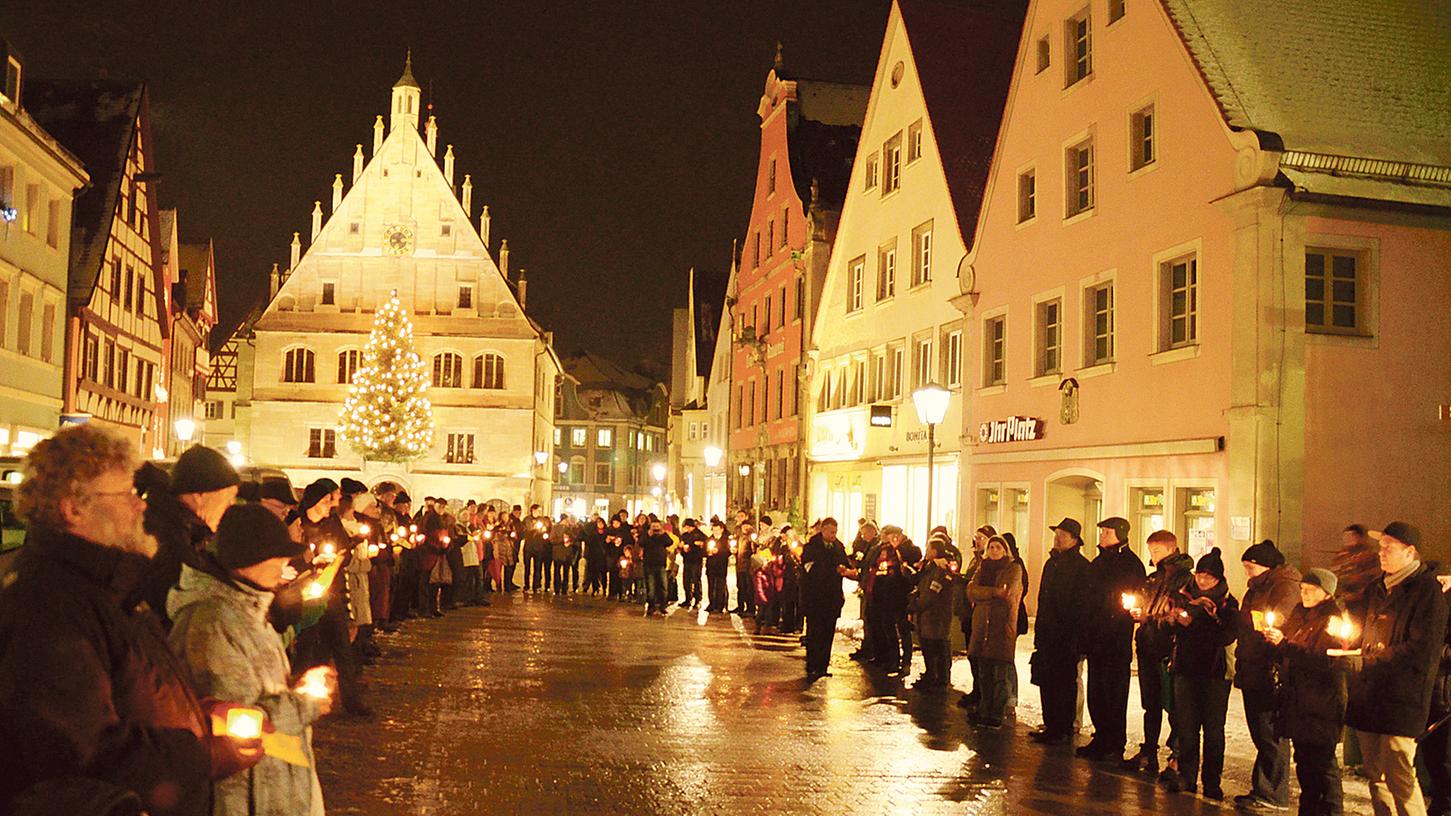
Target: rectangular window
780	393
603	476
1115	11
871	174
7	187
994	350
770	236
1334	292
740	407
894	376
766	328
558	437
785	222
354	228
771	178
1078	177
466	297
799	307
781	307
127	294
1045	51
32	208
123	370
1027	195
322	443
52	224
952	359
47	336
1141	138
892	165
914	141
1098	320
348	365
115	280
605	438
922	363
110	362
579	437
878	384
576	470
25	323
1179	303
90	359
1078	44
856	270
751	389
140	292
887	271
922	254
445	230
460	449
213	409
329	293
1048	338
756	250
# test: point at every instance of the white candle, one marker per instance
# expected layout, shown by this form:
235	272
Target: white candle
244	723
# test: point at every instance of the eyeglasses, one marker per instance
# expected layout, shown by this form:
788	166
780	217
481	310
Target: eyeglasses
131	491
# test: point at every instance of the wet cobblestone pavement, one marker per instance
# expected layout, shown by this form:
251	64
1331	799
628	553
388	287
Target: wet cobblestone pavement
541	705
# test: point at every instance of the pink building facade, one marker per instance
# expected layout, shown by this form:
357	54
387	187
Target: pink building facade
1179	315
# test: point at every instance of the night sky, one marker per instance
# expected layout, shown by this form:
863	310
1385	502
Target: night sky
615	142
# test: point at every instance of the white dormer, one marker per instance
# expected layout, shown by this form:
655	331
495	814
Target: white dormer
407	97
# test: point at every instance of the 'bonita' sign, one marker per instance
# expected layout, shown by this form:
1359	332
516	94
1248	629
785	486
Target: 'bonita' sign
1012	429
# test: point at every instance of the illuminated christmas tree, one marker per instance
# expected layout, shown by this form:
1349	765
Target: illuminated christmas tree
387	416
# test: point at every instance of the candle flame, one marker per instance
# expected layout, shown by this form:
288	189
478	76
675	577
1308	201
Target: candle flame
244	723
314	590
364	529
1130	601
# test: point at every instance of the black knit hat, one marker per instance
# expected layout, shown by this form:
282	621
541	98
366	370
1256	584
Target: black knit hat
1212	564
277	490
250	534
1265	553
316	492
352	487
200	469
402	498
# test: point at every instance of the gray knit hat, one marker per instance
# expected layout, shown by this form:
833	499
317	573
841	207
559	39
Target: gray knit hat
1321	577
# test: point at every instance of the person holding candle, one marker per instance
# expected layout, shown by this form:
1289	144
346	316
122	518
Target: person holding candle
1152	609
1403	619
692	558
890	586
358	513
1110	646
182	516
222	634
1205	617
1274	586
932	608
717	565
1312	698
328	640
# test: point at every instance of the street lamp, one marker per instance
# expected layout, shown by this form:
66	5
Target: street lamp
658	471
931	401
541	457
745	470
563	467
712	456
185	429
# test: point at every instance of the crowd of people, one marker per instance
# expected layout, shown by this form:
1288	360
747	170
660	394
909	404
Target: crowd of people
169	638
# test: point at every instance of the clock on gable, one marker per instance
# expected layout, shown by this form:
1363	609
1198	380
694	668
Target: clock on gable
398	240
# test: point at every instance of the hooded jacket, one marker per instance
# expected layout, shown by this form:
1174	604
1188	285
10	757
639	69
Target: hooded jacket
220	629
936	595
88	686
1276	590
1170	576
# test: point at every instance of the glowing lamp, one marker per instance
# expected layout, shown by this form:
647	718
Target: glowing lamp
563	467
931	403
234	447
244	723
745	470
658	471
712	456
185	429
313	591
541	456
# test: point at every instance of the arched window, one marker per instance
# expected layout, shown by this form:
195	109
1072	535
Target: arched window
297	366
348	365
448	370
489	371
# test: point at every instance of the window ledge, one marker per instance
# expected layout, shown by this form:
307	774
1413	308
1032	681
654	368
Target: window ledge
1076	85
1082	216
1174	355
1052	378
1026	222
1145	170
1099	370
989	390
1365	341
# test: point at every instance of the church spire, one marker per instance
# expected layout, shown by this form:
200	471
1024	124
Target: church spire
406	97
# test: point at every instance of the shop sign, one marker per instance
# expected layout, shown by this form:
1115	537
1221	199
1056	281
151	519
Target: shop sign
1012	429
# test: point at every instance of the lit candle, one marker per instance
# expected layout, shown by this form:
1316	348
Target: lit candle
413	528
1343	628
624	562
488	534
329	550
364	529
447	538
712	548
314	590
244	723
1130	601
1271	619
314	683
372	550
546	536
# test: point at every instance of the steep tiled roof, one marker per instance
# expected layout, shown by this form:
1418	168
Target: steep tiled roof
591	370
964	52
195	260
95	121
1341	77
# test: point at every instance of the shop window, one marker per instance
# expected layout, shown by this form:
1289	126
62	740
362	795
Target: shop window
1148	509
1196	520
989	507
1015	514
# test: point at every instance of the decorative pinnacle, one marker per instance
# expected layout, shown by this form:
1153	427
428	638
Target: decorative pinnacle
407	80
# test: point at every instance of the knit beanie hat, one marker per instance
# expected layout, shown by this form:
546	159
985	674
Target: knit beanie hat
316	492
250	534
1321	577
1211	563
200	469
1265	554
352	487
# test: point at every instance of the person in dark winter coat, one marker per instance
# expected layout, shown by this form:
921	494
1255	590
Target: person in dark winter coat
1403	615
1059	635
654	548
996	588
964	610
1206	621
932	607
824	563
1274	586
88	687
329	640
182	517
891	580
563	546
692	558
1436	743
1173	571
1115	571
1312	700
717	566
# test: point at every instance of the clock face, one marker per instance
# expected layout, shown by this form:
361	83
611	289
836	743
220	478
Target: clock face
398	240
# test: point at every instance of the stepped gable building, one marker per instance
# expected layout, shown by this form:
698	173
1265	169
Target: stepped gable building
809	132
38	181
404	223
886	326
117	322
1212	270
610	433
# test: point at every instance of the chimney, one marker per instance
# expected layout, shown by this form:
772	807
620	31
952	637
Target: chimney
377	135
276	281
337	192
484	220
431	134
523	288
357	163
468	201
448	165
296	251
316	221
504	258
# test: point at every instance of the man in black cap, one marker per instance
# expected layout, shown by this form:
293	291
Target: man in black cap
1059	632
1403	613
183	518
276	495
1116	571
1273	586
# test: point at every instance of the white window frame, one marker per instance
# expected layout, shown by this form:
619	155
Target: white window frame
887	271
1073	173
1367	251
1076	67
855	272
952	358
1088	336
1165	349
991	379
922	254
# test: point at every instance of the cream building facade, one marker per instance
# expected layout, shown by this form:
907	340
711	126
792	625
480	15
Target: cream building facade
403	225
885	325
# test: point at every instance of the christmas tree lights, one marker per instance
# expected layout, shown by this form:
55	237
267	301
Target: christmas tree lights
387	416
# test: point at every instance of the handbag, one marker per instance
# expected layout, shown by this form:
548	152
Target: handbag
440	574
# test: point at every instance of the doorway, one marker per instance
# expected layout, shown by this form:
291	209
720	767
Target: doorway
1077	495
